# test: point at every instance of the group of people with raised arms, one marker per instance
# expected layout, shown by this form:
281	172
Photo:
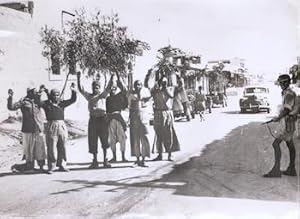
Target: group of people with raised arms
105	122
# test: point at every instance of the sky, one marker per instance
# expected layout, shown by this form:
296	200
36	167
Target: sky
263	32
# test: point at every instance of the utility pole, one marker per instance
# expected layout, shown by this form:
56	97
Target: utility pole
62	17
62	26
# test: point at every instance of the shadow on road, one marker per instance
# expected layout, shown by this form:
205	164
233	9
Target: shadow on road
36	172
181	120
21	173
100	163
118	184
239	112
231	167
100	167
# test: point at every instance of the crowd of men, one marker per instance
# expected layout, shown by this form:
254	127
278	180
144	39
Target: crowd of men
105	123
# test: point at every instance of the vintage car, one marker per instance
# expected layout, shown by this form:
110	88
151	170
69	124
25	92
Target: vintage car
255	99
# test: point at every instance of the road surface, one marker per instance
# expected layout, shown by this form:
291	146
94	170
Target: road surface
217	174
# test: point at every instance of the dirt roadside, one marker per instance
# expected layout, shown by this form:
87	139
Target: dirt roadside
11	150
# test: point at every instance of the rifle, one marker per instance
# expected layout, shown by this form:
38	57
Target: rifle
267	122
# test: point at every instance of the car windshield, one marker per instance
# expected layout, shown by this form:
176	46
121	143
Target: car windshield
255	90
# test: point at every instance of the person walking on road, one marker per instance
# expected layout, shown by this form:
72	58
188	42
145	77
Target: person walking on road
33	138
97	126
115	103
208	102
287	118
56	132
200	103
140	146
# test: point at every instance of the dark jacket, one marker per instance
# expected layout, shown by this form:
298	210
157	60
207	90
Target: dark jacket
56	111
32	117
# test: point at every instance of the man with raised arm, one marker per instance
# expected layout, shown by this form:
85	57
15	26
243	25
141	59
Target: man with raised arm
139	142
56	132
33	139
98	126
115	103
163	117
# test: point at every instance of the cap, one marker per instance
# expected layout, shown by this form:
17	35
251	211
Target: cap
54	91
30	88
284	78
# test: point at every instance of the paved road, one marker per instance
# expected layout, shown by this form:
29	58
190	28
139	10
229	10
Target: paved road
217	173
225	181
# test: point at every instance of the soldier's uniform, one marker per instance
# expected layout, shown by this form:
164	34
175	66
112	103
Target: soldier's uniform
289	101
287	120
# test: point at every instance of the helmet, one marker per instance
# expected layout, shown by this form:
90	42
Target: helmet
284	78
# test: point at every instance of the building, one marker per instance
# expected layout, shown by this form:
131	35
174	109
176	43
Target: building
24	6
234	71
193	72
22	63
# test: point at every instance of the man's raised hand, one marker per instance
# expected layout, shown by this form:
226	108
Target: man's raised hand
10	92
43	89
73	87
78	74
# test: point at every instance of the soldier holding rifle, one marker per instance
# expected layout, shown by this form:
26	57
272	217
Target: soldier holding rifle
288	117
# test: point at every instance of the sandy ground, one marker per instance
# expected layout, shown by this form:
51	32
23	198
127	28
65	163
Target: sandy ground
11	139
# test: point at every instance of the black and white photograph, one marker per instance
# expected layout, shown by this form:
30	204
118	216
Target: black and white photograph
159	109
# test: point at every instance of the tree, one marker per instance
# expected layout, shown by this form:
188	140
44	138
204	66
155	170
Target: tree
217	79
164	67
97	43
54	42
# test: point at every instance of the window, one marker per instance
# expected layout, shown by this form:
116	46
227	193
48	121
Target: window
256	90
